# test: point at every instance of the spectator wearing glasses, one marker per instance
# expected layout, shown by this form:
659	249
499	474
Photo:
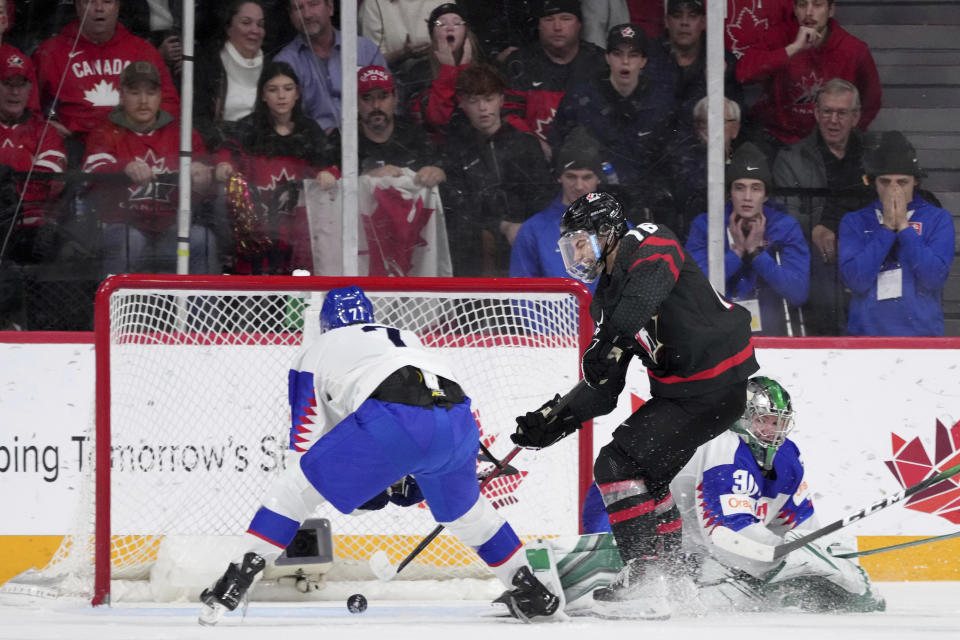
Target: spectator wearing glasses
401	29
432	82
829	158
793	62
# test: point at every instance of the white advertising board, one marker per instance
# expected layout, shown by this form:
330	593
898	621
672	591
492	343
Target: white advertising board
849	402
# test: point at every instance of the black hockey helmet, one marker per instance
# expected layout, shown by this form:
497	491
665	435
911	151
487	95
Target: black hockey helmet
597	213
589	230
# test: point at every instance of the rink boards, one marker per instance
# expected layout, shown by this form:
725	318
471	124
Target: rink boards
854	406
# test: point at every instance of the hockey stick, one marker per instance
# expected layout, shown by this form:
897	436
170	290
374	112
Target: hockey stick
379	562
386	571
902	545
733	542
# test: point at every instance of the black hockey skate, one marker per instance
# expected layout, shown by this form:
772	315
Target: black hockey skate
230	590
638	592
530	598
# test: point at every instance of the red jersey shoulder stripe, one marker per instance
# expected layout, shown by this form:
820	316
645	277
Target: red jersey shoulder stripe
669	258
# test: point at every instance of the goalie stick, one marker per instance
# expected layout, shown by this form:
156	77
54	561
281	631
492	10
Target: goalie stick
892	547
379	562
731	541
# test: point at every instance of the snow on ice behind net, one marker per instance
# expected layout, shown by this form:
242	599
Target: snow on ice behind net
924	610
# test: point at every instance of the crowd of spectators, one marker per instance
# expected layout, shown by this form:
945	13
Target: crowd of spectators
509	109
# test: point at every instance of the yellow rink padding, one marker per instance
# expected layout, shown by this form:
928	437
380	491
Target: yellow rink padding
19	553
935	561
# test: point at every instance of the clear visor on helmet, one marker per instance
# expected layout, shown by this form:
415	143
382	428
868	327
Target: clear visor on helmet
581	254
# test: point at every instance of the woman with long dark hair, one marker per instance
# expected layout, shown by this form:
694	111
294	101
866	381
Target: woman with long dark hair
274	149
226	72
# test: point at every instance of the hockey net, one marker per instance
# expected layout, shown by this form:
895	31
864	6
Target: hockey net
192	422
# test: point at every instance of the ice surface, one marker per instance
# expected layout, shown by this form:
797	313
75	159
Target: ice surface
924	610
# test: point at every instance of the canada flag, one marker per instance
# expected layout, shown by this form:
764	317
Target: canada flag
911	464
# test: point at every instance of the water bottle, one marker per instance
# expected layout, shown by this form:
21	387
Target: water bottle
609	173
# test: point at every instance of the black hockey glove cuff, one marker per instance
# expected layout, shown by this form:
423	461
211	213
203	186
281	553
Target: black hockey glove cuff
376	503
601	365
541	428
406	492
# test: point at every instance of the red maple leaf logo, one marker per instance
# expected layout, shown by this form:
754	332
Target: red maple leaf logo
911	465
393	231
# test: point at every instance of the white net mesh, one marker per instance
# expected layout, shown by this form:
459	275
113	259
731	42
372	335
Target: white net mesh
199	421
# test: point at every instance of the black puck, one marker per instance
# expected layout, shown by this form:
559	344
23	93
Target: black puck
357	603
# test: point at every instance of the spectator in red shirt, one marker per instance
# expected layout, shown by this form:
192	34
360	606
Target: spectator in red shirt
793	62
89	61
26	146
142	140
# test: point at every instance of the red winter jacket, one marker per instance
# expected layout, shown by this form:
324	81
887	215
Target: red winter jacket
748	21
790	84
90	90
19	143
150	208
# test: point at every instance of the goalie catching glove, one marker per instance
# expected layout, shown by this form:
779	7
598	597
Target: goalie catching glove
541	428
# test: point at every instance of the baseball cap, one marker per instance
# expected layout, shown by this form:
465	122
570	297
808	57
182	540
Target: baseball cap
629	34
373	77
16	64
139	71
749	162
552	7
676	5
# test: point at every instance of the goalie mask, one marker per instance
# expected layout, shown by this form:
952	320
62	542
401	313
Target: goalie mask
767	419
589	230
347	305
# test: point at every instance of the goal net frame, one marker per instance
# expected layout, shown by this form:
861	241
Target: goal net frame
280	285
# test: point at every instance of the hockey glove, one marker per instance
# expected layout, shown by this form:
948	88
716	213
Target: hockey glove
601	365
541	428
375	503
406	492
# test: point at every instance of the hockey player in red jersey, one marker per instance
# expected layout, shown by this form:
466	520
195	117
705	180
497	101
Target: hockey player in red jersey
84	62
652	302
142	141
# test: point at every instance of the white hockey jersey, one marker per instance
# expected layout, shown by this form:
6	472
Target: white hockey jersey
723	486
331	377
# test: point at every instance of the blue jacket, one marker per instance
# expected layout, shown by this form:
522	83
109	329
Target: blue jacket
762	278
924	253
535	253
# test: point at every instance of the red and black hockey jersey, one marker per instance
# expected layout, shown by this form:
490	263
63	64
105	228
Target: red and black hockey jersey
665	311
90	89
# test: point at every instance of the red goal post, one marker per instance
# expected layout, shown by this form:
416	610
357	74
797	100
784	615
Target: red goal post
514	342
